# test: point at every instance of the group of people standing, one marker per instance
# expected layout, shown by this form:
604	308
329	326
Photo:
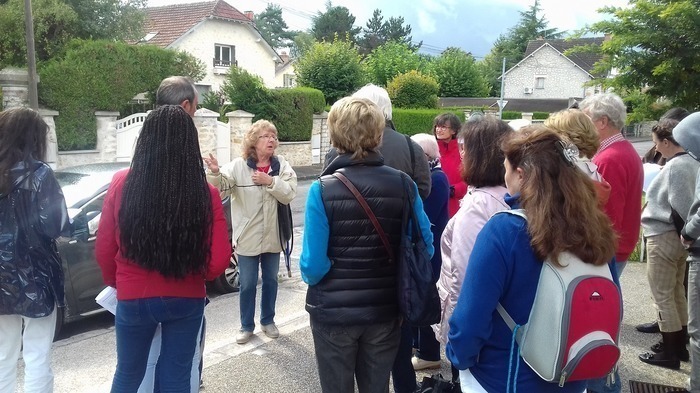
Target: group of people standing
162	234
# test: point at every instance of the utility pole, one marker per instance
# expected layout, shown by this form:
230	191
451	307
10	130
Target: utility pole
501	104
31	56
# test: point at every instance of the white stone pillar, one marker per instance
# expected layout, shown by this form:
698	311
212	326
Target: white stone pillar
15	87
205	121
320	142
51	139
106	135
239	122
527	116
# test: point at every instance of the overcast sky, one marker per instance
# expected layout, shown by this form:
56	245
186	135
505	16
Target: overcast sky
472	25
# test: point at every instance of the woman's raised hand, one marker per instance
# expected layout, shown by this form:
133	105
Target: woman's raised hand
212	163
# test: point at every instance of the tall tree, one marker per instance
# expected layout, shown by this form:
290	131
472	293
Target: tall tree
56	22
335	21
653	46
512	45
273	27
389	60
332	67
377	32
458	75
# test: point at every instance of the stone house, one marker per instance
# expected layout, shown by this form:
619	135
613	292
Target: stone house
546	72
285	74
217	34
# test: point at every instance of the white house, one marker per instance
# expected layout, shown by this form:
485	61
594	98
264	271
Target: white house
547	73
216	33
285	74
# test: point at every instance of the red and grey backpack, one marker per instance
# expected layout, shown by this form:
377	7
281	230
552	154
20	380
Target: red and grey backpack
573	330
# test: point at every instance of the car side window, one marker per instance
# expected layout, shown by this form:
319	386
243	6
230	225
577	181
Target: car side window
95	205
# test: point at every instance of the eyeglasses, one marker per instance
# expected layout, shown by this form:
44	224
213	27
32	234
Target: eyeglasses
443	127
269	136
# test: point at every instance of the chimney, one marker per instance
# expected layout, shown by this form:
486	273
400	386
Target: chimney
607	38
285	57
249	15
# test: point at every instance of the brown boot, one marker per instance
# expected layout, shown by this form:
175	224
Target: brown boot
669	357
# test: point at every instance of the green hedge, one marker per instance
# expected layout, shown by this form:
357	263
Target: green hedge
294	110
413	90
104	76
416	121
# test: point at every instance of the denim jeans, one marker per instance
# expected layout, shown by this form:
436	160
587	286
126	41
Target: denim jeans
428	346
37	340
363	352
404	377
136	322
248	275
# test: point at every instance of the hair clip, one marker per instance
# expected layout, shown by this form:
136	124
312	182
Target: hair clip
569	151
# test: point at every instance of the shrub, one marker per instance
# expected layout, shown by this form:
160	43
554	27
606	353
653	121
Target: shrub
332	67
104	76
458	75
416	121
294	110
247	92
413	90
389	60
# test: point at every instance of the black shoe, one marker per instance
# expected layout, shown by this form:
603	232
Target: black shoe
656	359
651	327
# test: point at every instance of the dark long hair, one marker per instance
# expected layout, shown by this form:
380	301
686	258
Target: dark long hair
22	137
559	199
166	212
482	165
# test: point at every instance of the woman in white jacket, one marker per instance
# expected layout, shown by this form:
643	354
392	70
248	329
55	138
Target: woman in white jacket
482	169
256	182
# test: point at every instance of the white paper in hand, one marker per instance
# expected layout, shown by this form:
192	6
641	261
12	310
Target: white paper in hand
108	299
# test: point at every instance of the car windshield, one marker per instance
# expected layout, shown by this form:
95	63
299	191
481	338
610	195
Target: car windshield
78	187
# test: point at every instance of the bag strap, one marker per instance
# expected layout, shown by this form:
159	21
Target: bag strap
506	317
368	210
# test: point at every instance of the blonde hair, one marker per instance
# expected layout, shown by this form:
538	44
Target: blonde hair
250	139
429	145
355	125
574	125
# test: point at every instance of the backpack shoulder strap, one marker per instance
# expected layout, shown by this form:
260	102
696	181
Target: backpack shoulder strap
515	212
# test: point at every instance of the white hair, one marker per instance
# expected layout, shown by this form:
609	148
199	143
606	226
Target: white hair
429	145
517	124
605	104
377	95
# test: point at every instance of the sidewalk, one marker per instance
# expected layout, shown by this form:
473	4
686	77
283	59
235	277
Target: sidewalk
288	364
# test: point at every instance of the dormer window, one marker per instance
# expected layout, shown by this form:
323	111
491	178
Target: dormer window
149	36
224	55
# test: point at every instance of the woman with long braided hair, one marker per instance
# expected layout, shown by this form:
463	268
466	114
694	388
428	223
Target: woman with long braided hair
161	235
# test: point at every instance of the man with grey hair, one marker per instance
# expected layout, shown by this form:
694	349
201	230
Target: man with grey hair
178	90
398	150
619	164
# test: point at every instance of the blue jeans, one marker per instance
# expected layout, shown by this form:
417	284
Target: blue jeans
136	323
248	275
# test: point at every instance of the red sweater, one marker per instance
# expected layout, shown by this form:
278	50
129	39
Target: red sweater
451	164
621	167
133	281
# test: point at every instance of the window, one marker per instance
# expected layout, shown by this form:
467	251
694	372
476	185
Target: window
289	80
539	82
224	55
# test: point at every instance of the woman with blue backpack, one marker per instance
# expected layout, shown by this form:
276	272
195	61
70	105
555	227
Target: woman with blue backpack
555	221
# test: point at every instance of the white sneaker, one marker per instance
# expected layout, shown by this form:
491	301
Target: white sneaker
243	336
420	364
270	330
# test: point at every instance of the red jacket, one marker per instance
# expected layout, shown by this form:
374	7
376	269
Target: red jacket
621	167
133	281
451	164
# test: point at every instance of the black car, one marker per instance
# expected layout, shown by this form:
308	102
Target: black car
84	188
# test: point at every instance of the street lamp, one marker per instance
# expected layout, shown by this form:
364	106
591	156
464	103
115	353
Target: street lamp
31	57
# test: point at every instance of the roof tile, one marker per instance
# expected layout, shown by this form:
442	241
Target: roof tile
585	60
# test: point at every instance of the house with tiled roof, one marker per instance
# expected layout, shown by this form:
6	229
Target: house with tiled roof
547	72
216	33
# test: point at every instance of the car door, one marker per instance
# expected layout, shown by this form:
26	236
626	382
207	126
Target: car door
83	273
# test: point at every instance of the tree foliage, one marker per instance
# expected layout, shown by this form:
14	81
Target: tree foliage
336	21
332	67
389	60
273	28
458	75
56	22
654	46
413	90
513	44
302	42
104	75
378	32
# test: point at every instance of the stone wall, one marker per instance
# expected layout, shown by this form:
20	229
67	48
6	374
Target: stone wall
297	153
78	157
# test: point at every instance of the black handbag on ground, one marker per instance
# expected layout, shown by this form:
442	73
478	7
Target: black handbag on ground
418	298
437	384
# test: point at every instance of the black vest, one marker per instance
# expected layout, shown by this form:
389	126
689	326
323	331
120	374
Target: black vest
360	288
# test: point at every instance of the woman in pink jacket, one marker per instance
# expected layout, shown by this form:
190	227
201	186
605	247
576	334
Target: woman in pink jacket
482	169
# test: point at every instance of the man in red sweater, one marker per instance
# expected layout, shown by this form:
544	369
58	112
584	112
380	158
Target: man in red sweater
619	164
